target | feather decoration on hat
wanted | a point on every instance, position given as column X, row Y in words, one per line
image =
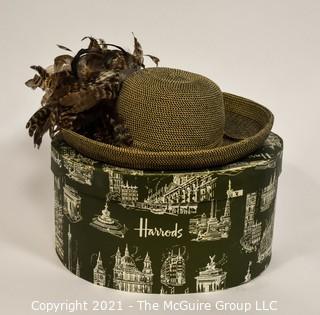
column 80, row 92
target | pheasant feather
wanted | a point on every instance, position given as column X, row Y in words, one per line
column 81, row 92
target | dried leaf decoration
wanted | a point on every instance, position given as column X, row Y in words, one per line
column 80, row 92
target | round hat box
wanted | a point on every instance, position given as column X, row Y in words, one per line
column 165, row 232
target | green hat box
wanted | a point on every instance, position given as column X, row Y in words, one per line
column 165, row 232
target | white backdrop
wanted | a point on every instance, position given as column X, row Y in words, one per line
column 264, row 50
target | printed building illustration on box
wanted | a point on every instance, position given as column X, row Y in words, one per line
column 58, row 207
column 248, row 276
column 72, row 204
column 182, row 195
column 186, row 217
column 127, row 276
column 211, row 228
column 252, row 229
column 120, row 191
column 211, row 277
column 268, row 194
column 173, row 270
column 79, row 168
column 105, row 223
column 266, row 241
column 99, row 272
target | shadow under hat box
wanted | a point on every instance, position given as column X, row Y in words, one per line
column 165, row 231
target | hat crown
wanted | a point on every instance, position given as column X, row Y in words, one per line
column 172, row 110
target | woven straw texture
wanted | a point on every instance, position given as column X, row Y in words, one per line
column 179, row 120
column 172, row 110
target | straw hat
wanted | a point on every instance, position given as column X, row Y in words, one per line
column 179, row 120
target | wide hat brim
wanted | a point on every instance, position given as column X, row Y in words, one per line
column 247, row 126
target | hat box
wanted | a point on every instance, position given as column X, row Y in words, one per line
column 165, row 231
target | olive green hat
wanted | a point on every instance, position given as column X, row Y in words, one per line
column 179, row 120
